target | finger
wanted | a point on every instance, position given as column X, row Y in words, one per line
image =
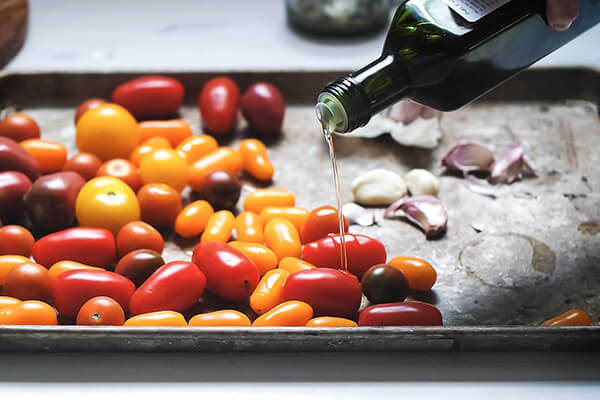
column 561, row 13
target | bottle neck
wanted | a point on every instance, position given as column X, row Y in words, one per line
column 354, row 98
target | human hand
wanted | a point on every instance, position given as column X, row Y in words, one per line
column 561, row 13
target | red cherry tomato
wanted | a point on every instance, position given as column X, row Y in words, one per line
column 218, row 104
column 139, row 235
column 320, row 222
column 13, row 186
column 330, row 292
column 28, row 281
column 72, row 289
column 362, row 251
column 85, row 164
column 175, row 286
column 229, row 273
column 15, row 158
column 408, row 313
column 263, row 107
column 101, row 310
column 86, row 106
column 91, row 246
column 19, row 127
column 150, row 97
column 15, row 240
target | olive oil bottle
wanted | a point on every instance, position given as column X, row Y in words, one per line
column 446, row 53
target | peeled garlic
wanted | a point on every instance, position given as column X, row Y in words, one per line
column 378, row 187
column 420, row 182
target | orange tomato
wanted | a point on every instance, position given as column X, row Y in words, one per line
column 7, row 301
column 249, row 227
column 264, row 259
column 255, row 159
column 31, row 312
column 192, row 220
column 108, row 131
column 164, row 166
column 320, row 222
column 122, row 169
column 220, row 318
column 419, row 273
column 296, row 215
column 570, row 318
column 28, row 281
column 282, row 237
column 85, row 164
column 219, row 227
column 7, row 262
column 64, row 266
column 222, row 159
column 148, row 147
column 196, row 147
column 139, row 235
column 330, row 321
column 100, row 310
column 174, row 130
column 267, row 293
column 160, row 204
column 157, row 318
column 262, row 198
column 289, row 313
column 294, row 264
column 50, row 156
column 16, row 240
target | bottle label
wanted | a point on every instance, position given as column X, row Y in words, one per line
column 474, row 10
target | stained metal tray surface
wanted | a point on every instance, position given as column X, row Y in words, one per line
column 537, row 256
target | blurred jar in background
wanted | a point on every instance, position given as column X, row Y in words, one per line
column 339, row 17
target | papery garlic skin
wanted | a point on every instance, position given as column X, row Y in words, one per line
column 427, row 212
column 357, row 215
column 468, row 157
column 378, row 187
column 421, row 182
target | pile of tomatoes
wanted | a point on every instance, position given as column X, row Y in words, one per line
column 100, row 216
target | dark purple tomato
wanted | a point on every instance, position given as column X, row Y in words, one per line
column 383, row 283
column 138, row 265
column 263, row 107
column 13, row 186
column 408, row 313
column 14, row 158
column 221, row 189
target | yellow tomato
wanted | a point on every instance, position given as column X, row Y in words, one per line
column 164, row 166
column 108, row 131
column 106, row 202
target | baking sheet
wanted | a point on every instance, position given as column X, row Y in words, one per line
column 536, row 257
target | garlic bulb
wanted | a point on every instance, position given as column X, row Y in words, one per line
column 421, row 182
column 378, row 187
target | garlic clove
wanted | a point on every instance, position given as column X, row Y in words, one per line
column 468, row 157
column 357, row 215
column 481, row 186
column 511, row 166
column 421, row 182
column 378, row 187
column 427, row 212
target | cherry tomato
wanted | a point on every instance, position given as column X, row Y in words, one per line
column 19, row 127
column 15, row 239
column 157, row 318
column 28, row 281
column 296, row 215
column 50, row 156
column 193, row 219
column 122, row 169
column 408, row 313
column 263, row 107
column 87, row 105
column 218, row 102
column 138, row 265
column 14, row 158
column 293, row 264
column 100, row 310
column 7, row 262
column 320, row 322
column 262, row 198
column 91, row 246
column 383, row 283
column 219, row 227
column 50, row 202
column 255, row 159
column 321, row 222
column 175, row 286
column 108, row 131
column 85, row 164
column 282, row 237
column 220, row 318
column 139, row 235
column 330, row 292
column 269, row 291
column 249, row 227
column 164, row 166
column 196, row 147
column 362, row 251
column 13, row 186
column 63, row 266
column 289, row 313
column 174, row 130
column 264, row 259
column 160, row 204
column 31, row 312
column 221, row 189
column 107, row 202
column 150, row 96
column 222, row 159
column 148, row 147
column 72, row 289
column 419, row 273
column 569, row 318
column 8, row 301
column 229, row 273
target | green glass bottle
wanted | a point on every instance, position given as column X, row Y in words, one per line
column 437, row 57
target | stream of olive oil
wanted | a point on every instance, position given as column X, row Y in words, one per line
column 338, row 189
